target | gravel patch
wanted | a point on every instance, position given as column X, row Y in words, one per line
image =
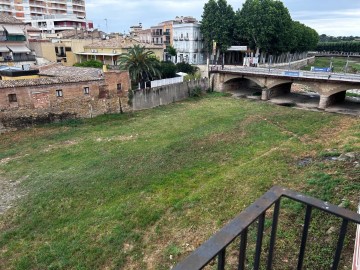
column 9, row 193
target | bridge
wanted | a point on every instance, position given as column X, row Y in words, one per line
column 331, row 87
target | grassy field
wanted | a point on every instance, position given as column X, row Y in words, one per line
column 338, row 63
column 141, row 190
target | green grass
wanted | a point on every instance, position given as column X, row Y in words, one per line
column 338, row 63
column 352, row 94
column 140, row 190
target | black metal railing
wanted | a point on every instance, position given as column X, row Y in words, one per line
column 238, row 227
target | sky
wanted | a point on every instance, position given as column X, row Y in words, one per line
column 331, row 17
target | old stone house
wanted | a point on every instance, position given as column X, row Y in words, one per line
column 62, row 93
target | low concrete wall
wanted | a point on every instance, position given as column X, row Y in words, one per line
column 153, row 97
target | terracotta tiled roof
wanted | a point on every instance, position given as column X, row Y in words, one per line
column 44, row 81
column 58, row 74
column 59, row 70
column 121, row 43
column 8, row 19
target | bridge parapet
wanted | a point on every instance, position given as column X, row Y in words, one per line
column 330, row 86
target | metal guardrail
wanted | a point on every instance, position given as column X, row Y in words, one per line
column 238, row 227
column 301, row 74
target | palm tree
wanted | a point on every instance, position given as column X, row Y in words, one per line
column 142, row 65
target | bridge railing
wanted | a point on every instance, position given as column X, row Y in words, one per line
column 293, row 73
column 217, row 245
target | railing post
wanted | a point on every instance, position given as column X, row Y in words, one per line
column 242, row 253
column 221, row 259
column 260, row 234
column 304, row 237
column 340, row 244
column 273, row 234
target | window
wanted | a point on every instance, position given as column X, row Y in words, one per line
column 119, row 87
column 59, row 93
column 86, row 90
column 12, row 98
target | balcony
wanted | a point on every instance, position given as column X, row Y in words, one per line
column 167, row 33
column 215, row 248
column 156, row 33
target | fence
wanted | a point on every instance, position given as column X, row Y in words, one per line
column 216, row 245
column 162, row 95
column 163, row 82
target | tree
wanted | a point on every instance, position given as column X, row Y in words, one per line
column 141, row 64
column 266, row 24
column 172, row 51
column 217, row 25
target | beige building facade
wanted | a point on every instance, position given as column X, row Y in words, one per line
column 108, row 51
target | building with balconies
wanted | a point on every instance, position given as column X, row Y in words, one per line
column 13, row 42
column 50, row 16
column 188, row 42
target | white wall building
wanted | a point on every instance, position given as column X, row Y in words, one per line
column 188, row 43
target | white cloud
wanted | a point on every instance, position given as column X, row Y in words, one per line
column 121, row 14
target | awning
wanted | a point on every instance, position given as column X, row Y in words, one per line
column 4, row 49
column 238, row 49
column 98, row 54
column 19, row 48
column 14, row 30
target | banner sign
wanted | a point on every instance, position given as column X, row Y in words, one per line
column 214, row 47
column 319, row 69
column 238, row 48
column 292, row 73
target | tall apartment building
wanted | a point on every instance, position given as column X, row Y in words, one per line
column 49, row 15
column 188, row 42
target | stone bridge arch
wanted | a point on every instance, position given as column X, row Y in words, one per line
column 330, row 90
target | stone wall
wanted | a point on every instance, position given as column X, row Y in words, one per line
column 40, row 104
column 153, row 97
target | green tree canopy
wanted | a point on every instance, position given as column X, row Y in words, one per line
column 265, row 24
column 141, row 64
column 171, row 50
column 304, row 38
column 217, row 24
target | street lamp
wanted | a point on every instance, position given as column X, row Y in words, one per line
column 347, row 64
column 331, row 64
column 290, row 58
column 270, row 59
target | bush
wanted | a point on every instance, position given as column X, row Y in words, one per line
column 191, row 77
column 186, row 68
column 91, row 63
column 195, row 92
column 167, row 69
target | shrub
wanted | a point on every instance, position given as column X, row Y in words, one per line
column 195, row 92
column 167, row 69
column 91, row 63
column 186, row 68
